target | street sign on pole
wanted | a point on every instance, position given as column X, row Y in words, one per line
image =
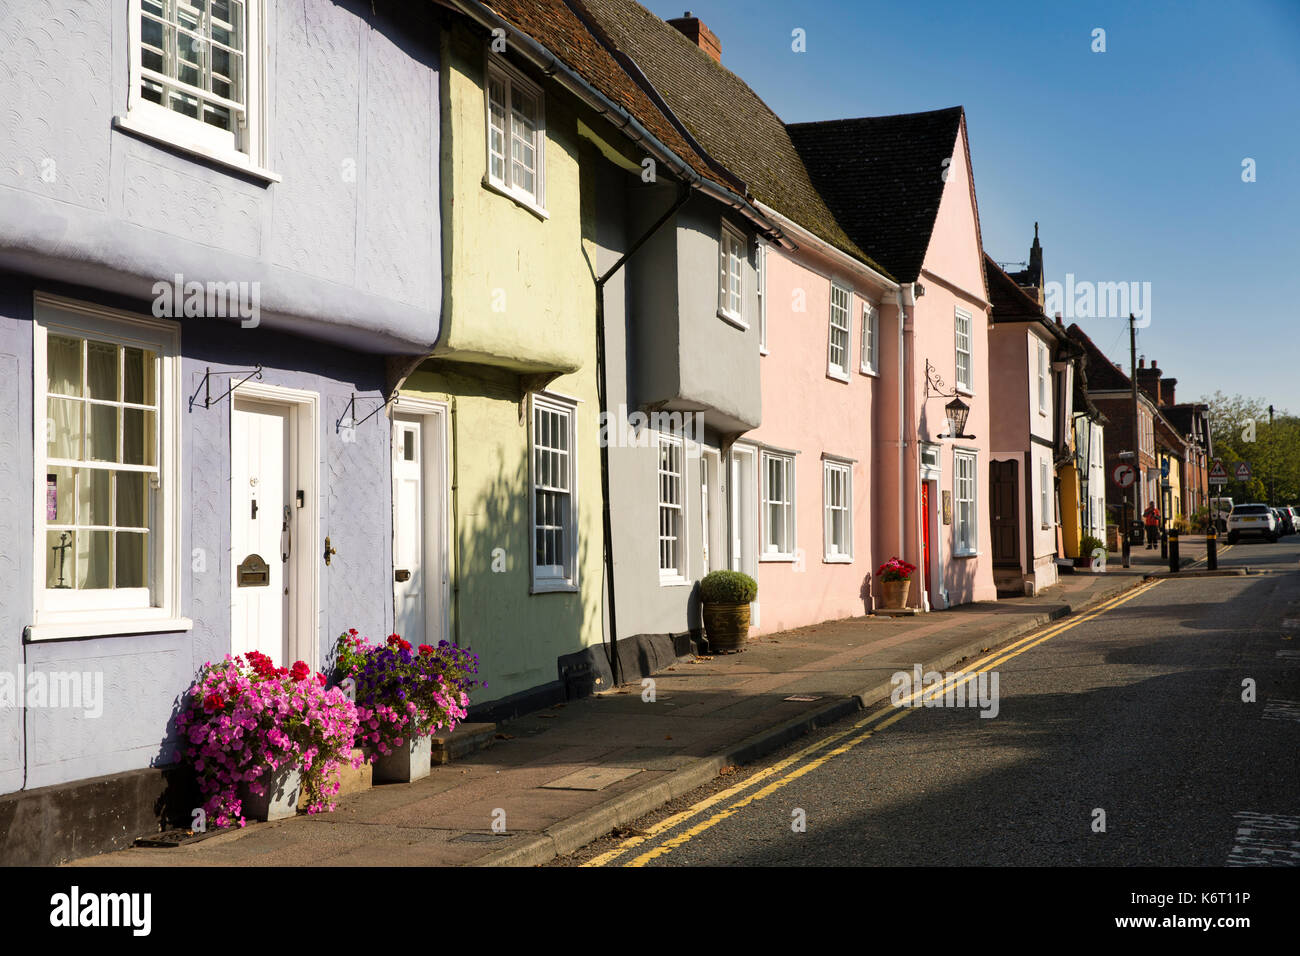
column 1218, row 474
column 1124, row 475
column 1243, row 470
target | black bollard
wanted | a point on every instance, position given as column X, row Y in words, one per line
column 1212, row 549
column 1173, row 549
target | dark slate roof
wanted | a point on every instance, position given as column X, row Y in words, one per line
column 728, row 120
column 1010, row 302
column 559, row 29
column 882, row 176
column 1102, row 374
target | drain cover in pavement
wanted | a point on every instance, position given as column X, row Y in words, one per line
column 592, row 778
column 481, row 838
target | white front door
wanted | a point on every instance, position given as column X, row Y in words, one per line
column 409, row 526
column 744, row 517
column 261, row 522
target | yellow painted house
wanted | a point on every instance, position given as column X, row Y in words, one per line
column 496, row 432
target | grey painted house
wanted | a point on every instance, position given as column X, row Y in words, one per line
column 245, row 197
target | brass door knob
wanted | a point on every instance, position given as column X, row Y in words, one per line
column 328, row 550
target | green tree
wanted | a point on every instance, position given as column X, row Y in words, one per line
column 1241, row 431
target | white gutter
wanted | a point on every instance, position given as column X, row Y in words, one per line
column 551, row 66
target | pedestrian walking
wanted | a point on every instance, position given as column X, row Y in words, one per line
column 1151, row 518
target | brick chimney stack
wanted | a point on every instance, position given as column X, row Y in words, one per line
column 1167, row 386
column 695, row 31
column 1149, row 380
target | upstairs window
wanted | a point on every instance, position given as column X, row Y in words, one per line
column 838, row 364
column 196, row 76
column 731, row 276
column 961, row 323
column 870, row 340
column 516, row 136
column 1043, row 378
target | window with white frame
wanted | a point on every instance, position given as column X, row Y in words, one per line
column 961, row 324
column 838, row 364
column 869, row 359
column 731, row 274
column 516, row 135
column 778, row 506
column 760, row 268
column 964, row 502
column 1043, row 378
column 197, row 59
column 1044, row 495
column 837, row 494
column 554, row 478
column 672, row 509
column 106, row 470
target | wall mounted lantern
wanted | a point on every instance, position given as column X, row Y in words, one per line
column 957, row 410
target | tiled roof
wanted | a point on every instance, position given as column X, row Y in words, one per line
column 729, row 120
column 1008, row 299
column 559, row 29
column 882, row 176
column 1102, row 373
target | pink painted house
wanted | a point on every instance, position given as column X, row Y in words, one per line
column 815, row 452
column 903, row 189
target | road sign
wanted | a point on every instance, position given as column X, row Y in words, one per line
column 1164, row 468
column 1243, row 470
column 1124, row 475
column 1218, row 474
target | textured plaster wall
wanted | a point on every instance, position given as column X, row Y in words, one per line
column 144, row 675
column 351, row 232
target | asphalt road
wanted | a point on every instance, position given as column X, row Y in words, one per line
column 1131, row 719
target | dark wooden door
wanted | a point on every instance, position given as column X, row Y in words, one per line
column 1006, row 522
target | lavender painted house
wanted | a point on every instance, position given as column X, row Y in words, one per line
column 219, row 253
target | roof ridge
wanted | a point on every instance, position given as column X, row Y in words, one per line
column 884, row 116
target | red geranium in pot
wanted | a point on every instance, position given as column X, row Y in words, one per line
column 896, row 580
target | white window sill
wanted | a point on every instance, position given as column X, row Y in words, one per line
column 230, row 159
column 105, row 626
column 520, row 199
column 733, row 319
column 964, row 390
column 869, row 371
column 838, row 374
column 673, row 581
column 553, row 587
column 966, row 554
column 777, row 558
column 837, row 559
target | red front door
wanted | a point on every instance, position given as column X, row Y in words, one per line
column 925, row 536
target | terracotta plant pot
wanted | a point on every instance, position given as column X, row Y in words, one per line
column 727, row 625
column 895, row 593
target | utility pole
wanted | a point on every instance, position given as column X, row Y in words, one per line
column 1137, row 435
column 1270, row 458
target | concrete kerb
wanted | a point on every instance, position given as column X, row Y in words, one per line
column 582, row 828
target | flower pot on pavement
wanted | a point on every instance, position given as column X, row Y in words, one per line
column 895, row 593
column 727, row 625
column 410, row 761
column 283, row 788
column 726, row 596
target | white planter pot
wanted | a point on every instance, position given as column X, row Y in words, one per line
column 409, row 762
column 283, row 788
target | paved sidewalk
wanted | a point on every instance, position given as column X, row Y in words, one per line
column 708, row 713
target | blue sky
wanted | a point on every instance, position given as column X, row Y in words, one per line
column 1130, row 160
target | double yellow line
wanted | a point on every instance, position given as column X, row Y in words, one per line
column 774, row 777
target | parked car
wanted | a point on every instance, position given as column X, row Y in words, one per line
column 1252, row 519
column 1288, row 517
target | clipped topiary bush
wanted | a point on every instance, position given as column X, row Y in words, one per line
column 728, row 587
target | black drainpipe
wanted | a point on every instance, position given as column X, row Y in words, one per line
column 601, row 391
